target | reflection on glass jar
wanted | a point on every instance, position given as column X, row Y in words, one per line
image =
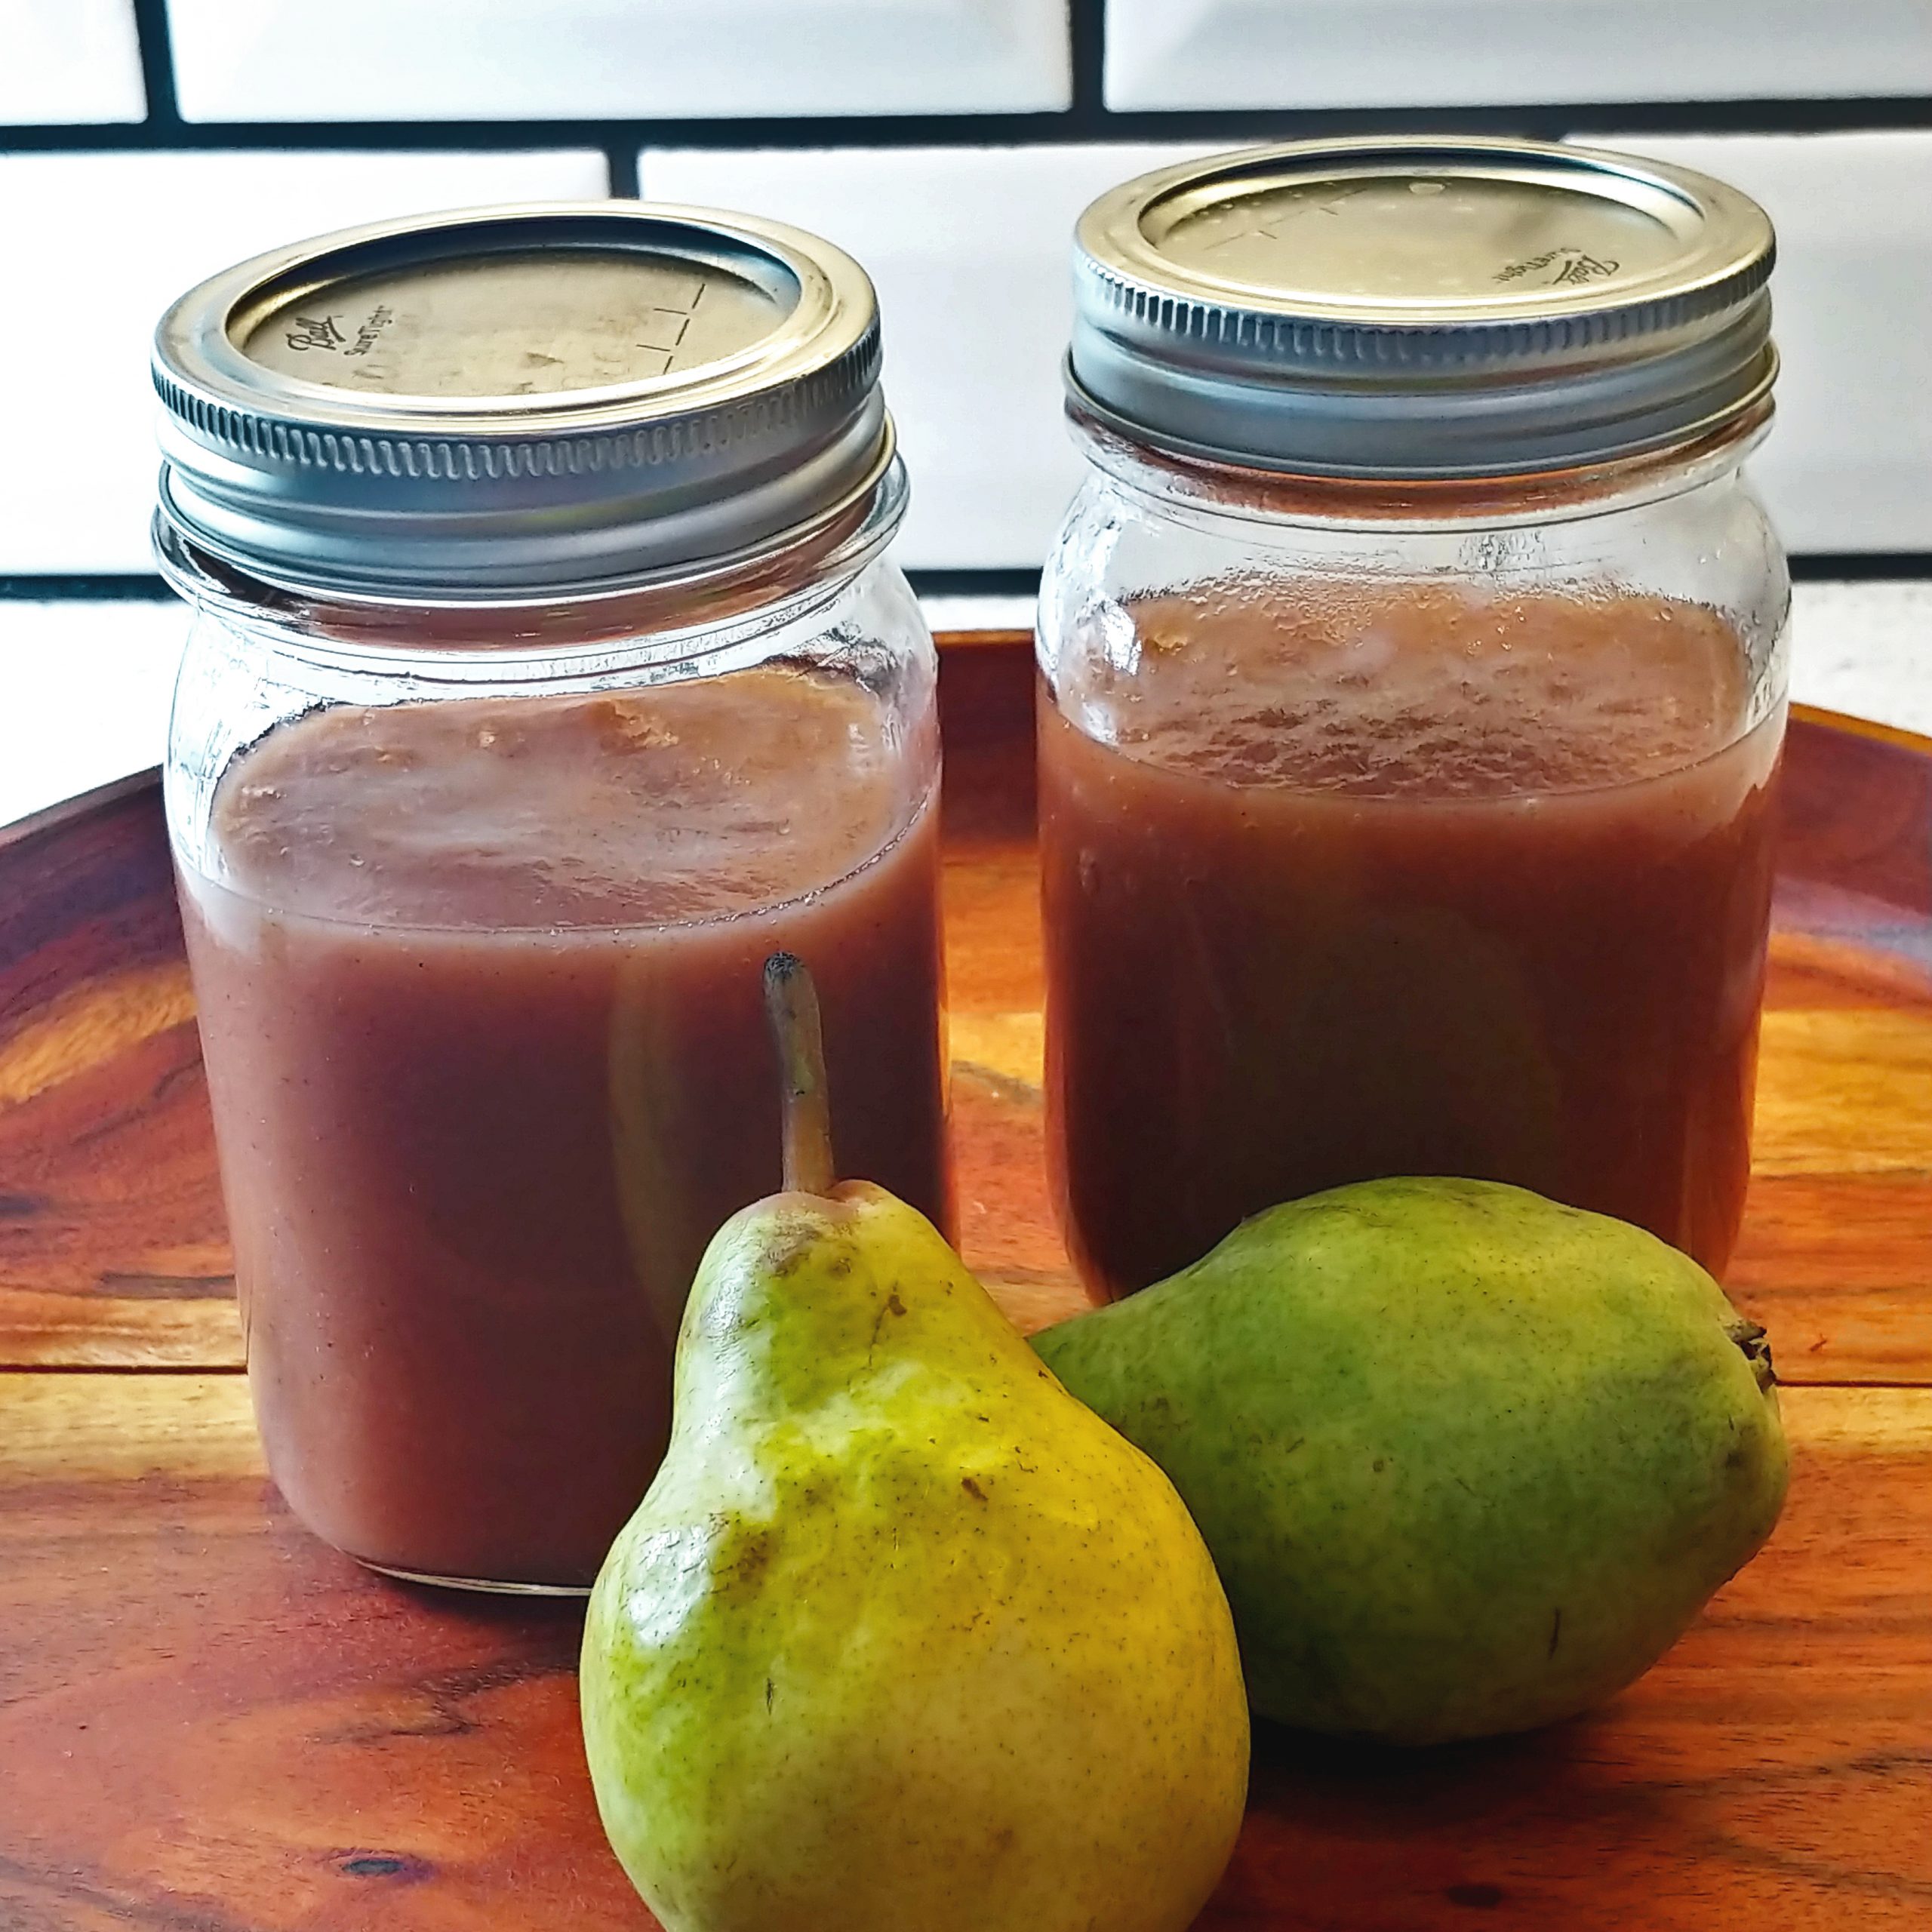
column 491, row 787
column 1414, row 663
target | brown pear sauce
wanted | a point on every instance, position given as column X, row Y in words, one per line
column 1364, row 881
column 480, row 990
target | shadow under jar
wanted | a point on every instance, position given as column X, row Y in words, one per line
column 547, row 675
column 1414, row 686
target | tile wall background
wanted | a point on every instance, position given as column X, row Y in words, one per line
column 947, row 143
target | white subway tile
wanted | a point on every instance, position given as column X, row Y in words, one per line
column 105, row 242
column 67, row 60
column 84, row 689
column 965, row 610
column 1849, row 463
column 1233, row 54
column 473, row 59
column 1865, row 648
column 969, row 248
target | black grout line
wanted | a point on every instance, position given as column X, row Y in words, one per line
column 443, row 136
column 157, row 48
column 1841, row 115
column 1904, row 566
column 29, row 588
column 1860, row 566
column 1087, row 120
column 1087, row 32
column 621, row 157
column 23, row 587
column 974, row 582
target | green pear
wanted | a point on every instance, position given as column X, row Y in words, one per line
column 1469, row 1462
column 902, row 1638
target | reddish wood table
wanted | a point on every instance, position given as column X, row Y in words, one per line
column 209, row 1723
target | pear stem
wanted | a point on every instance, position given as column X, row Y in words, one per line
column 791, row 1004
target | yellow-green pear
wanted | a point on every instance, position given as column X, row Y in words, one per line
column 903, row 1638
column 1468, row 1461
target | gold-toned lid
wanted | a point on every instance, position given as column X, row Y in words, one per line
column 502, row 401
column 1415, row 307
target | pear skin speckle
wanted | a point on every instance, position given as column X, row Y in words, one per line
column 903, row 1636
column 1469, row 1462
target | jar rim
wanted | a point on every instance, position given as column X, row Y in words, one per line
column 1224, row 487
column 672, row 615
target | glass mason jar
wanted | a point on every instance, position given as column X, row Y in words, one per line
column 547, row 675
column 1414, row 669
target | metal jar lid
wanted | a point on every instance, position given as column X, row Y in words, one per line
column 1410, row 307
column 507, row 401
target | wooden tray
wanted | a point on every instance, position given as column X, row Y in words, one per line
column 210, row 1723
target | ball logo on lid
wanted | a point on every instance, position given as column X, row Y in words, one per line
column 324, row 332
column 315, row 332
column 1572, row 267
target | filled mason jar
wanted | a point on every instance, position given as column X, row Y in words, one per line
column 547, row 674
column 1414, row 682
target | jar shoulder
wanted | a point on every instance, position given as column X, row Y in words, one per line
column 245, row 676
column 1121, row 549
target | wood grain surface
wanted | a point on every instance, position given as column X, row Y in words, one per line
column 210, row 1723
